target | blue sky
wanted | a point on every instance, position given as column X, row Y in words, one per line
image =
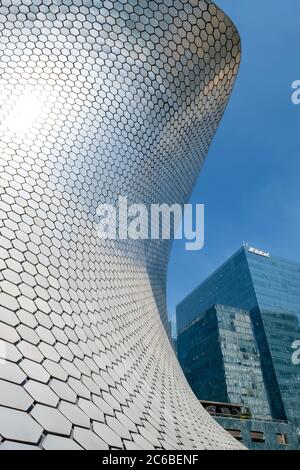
column 250, row 183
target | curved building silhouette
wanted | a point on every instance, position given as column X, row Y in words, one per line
column 100, row 99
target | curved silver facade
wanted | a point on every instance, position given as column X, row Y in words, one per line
column 99, row 99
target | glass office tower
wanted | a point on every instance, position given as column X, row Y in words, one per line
column 275, row 334
column 220, row 358
column 250, row 278
column 268, row 288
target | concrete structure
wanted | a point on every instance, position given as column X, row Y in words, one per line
column 100, row 99
column 254, row 433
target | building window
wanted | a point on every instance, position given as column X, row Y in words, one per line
column 257, row 436
column 236, row 433
column 282, row 439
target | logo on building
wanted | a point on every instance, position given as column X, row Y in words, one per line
column 256, row 251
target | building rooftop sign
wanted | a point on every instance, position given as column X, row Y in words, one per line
column 256, row 251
